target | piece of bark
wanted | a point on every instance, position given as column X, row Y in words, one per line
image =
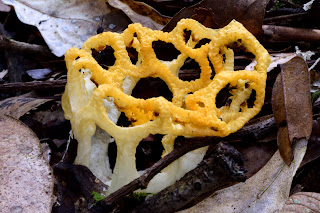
column 222, row 169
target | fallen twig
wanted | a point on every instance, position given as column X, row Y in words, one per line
column 290, row 3
column 281, row 33
column 22, row 47
column 285, row 17
column 28, row 86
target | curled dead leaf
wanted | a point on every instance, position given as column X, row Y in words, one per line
column 142, row 13
column 26, row 181
column 19, row 105
column 291, row 104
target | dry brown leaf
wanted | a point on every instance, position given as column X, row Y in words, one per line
column 256, row 155
column 20, row 105
column 248, row 12
column 26, row 181
column 291, row 103
column 140, row 12
column 302, row 202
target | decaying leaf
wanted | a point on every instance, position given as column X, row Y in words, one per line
column 266, row 191
column 248, row 12
column 291, row 103
column 302, row 202
column 19, row 105
column 63, row 24
column 26, row 181
column 140, row 12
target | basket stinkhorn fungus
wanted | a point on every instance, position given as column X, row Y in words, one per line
column 94, row 97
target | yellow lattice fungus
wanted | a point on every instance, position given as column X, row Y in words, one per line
column 94, row 96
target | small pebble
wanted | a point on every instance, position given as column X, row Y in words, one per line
column 111, row 26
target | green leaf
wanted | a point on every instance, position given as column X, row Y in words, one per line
column 315, row 96
column 97, row 196
column 141, row 195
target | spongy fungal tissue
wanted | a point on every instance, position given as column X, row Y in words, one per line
column 94, row 97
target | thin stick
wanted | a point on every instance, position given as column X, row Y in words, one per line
column 281, row 33
column 28, row 86
column 21, row 47
column 284, row 17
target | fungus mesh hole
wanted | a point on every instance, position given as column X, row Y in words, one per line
column 242, row 57
column 112, row 155
column 223, row 97
column 202, row 42
column 151, row 87
column 105, row 58
column 251, row 99
column 123, row 120
column 165, row 51
column 186, row 35
column 133, row 54
column 190, row 70
column 148, row 151
column 213, row 73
